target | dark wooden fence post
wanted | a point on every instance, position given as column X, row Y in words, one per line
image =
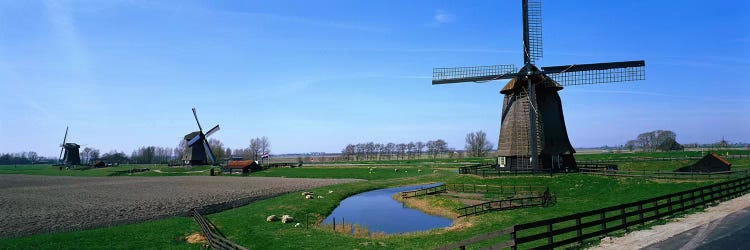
column 513, row 238
column 669, row 204
column 579, row 230
column 640, row 214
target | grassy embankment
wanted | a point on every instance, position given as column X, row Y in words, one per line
column 246, row 225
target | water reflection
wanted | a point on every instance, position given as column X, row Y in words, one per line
column 378, row 212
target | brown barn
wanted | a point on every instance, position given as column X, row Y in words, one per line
column 245, row 167
column 709, row 163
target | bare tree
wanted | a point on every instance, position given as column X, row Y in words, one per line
column 217, row 147
column 94, row 155
column 477, row 144
column 411, row 148
column 86, row 155
column 259, row 146
column 181, row 149
column 33, row 157
column 420, row 147
column 390, row 149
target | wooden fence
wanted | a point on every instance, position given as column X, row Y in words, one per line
column 500, row 189
column 576, row 228
column 215, row 240
column 647, row 159
column 531, row 196
column 424, row 191
column 667, row 174
column 506, row 204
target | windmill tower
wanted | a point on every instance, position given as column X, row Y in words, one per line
column 69, row 154
column 533, row 136
column 198, row 150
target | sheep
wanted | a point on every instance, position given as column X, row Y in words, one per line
column 395, row 170
column 330, row 191
column 298, row 224
column 320, row 197
column 306, row 193
column 272, row 218
column 309, row 197
column 419, row 170
column 286, row 218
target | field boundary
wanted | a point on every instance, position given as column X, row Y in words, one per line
column 424, row 191
column 215, row 240
column 647, row 159
column 666, row 174
column 576, row 228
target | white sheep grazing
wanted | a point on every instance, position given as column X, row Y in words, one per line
column 297, row 225
column 306, row 193
column 419, row 170
column 330, row 191
column 395, row 170
column 320, row 197
column 272, row 218
column 309, row 197
column 286, row 218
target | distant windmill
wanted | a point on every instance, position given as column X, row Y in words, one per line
column 531, row 98
column 69, row 154
column 198, row 151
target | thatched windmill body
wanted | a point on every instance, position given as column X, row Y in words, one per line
column 198, row 152
column 69, row 152
column 533, row 135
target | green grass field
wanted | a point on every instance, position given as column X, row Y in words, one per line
column 247, row 226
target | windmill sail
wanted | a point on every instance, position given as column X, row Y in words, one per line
column 62, row 146
column 532, row 30
column 594, row 73
column 472, row 74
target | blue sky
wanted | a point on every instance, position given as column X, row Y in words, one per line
column 316, row 75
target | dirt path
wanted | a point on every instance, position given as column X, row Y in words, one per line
column 40, row 204
column 645, row 238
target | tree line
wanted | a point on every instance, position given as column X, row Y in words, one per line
column 398, row 151
column 148, row 154
column 662, row 140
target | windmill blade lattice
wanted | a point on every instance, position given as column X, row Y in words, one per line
column 597, row 73
column 62, row 146
column 534, row 24
column 472, row 74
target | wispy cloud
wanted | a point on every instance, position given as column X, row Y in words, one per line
column 60, row 17
column 443, row 17
column 308, row 21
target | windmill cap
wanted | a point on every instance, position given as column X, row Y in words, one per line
column 191, row 135
column 517, row 84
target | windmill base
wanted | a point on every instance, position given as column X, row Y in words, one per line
column 548, row 163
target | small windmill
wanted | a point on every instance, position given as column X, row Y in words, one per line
column 198, row 150
column 532, row 131
column 69, row 154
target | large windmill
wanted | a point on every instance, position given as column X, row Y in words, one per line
column 198, row 150
column 533, row 136
column 69, row 154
